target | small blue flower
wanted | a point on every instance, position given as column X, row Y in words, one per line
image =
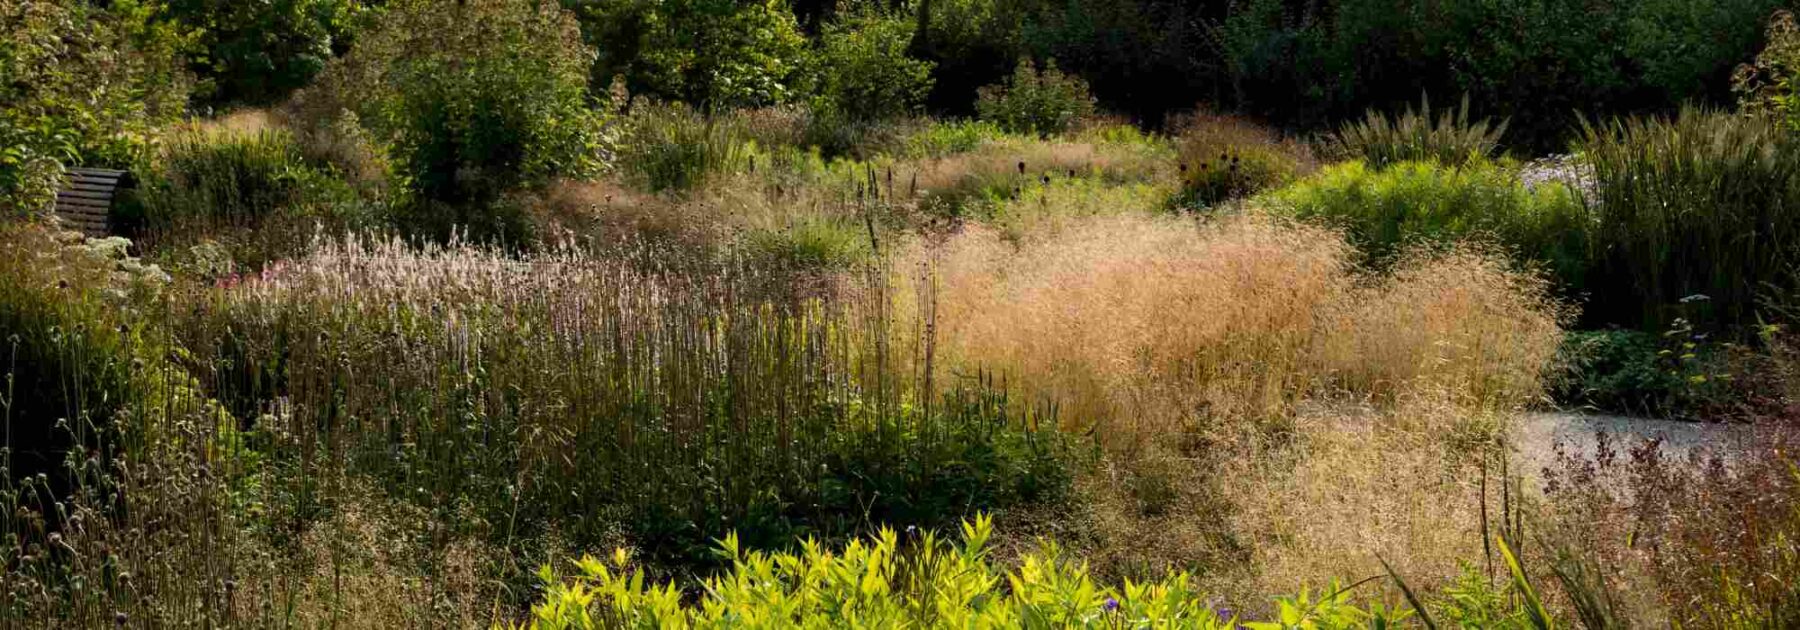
column 1110, row 605
column 1224, row 613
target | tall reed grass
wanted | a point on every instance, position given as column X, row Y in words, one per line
column 593, row 394
column 1700, row 207
column 1450, row 138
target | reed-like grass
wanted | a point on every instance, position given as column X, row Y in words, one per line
column 1450, row 138
column 587, row 394
column 1696, row 212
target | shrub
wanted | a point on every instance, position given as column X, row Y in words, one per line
column 257, row 183
column 918, row 580
column 259, row 52
column 1386, row 211
column 1042, row 103
column 471, row 100
column 82, row 85
column 864, row 71
column 1772, row 84
column 715, row 54
column 1532, row 61
column 943, row 138
column 1225, row 158
column 1450, row 139
column 1701, row 204
column 1640, row 373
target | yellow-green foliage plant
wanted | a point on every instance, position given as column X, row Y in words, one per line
column 916, row 581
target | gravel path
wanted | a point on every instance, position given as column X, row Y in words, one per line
column 1540, row 432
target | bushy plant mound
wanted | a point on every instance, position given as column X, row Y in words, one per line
column 1450, row 139
column 471, row 100
column 254, row 189
column 1629, row 371
column 1701, row 207
column 916, row 581
column 1037, row 102
column 1224, row 158
column 708, row 53
column 1385, row 211
column 865, row 73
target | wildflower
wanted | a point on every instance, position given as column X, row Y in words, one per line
column 1110, row 605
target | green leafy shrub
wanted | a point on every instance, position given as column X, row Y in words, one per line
column 1226, row 158
column 942, row 138
column 718, row 54
column 81, row 85
column 259, row 52
column 671, row 147
column 1386, row 211
column 1701, row 204
column 471, row 100
column 1770, row 85
column 912, row 581
column 1450, row 139
column 864, row 71
column 1042, row 103
column 1531, row 61
column 1634, row 372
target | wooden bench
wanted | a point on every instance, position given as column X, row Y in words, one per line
column 86, row 198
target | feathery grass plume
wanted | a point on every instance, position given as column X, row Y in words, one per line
column 1155, row 326
column 1451, row 138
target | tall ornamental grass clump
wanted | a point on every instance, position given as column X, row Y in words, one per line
column 1153, row 328
column 253, row 186
column 597, row 397
column 1386, row 211
column 1414, row 135
column 672, row 148
column 1700, row 207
